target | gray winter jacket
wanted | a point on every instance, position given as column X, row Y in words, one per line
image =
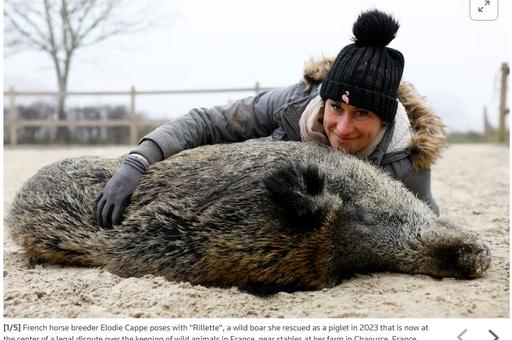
column 276, row 113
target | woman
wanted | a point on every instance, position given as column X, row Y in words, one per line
column 350, row 104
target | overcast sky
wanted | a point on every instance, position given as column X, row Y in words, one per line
column 451, row 59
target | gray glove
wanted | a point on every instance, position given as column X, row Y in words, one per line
column 115, row 196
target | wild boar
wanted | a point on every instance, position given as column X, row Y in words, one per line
column 266, row 217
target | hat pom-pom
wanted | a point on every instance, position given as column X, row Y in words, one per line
column 374, row 28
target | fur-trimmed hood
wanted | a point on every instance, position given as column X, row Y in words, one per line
column 428, row 138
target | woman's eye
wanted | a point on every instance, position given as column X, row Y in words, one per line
column 361, row 114
column 336, row 107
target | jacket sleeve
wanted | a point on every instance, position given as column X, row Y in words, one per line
column 247, row 118
column 418, row 182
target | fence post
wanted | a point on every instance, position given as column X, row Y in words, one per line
column 257, row 87
column 505, row 70
column 133, row 118
column 13, row 117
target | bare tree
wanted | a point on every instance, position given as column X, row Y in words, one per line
column 61, row 27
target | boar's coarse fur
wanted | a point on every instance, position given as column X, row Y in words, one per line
column 266, row 217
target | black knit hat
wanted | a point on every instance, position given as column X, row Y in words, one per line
column 367, row 73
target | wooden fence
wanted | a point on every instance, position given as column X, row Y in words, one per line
column 13, row 123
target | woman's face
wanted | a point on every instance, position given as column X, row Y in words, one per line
column 348, row 127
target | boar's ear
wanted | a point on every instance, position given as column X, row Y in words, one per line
column 299, row 190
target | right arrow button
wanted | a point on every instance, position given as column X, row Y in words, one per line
column 494, row 335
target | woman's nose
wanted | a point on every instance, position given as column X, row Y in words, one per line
column 345, row 125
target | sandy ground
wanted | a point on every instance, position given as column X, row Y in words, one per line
column 471, row 185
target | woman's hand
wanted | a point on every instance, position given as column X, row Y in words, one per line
column 115, row 196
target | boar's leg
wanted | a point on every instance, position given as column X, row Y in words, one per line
column 268, row 289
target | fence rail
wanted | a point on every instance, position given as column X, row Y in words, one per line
column 13, row 123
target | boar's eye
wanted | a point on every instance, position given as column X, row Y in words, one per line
column 361, row 216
